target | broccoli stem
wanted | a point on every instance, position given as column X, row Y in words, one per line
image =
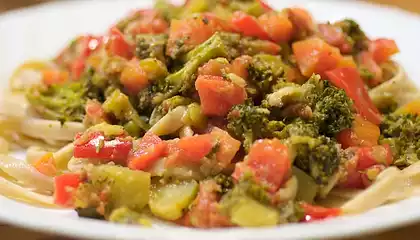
column 183, row 79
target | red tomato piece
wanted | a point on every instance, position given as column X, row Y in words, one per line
column 240, row 65
column 248, row 25
column 362, row 133
column 318, row 213
column 269, row 162
column 382, row 49
column 117, row 45
column 150, row 149
column 217, row 95
column 214, row 68
column 116, row 150
column 64, row 186
column 366, row 61
column 349, row 80
column 196, row 147
column 277, row 26
column 314, row 55
column 227, row 146
column 333, row 35
column 376, row 155
column 95, row 114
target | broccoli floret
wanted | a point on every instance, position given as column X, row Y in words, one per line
column 151, row 46
column 120, row 107
column 317, row 156
column 300, row 128
column 60, row 102
column 355, row 34
column 182, row 81
column 402, row 133
column 333, row 112
column 224, row 181
column 249, row 123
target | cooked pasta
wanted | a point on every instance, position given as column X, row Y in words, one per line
column 234, row 115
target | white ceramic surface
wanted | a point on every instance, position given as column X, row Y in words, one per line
column 41, row 31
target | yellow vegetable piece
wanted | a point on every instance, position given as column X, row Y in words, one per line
column 412, row 107
column 250, row 213
column 169, row 201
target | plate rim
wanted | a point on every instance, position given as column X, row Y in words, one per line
column 82, row 227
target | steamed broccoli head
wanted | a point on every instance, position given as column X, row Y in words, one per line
column 300, row 127
column 248, row 123
column 402, row 133
column 151, row 46
column 333, row 111
column 319, row 156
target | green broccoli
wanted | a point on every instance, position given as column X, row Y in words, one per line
column 317, row 156
column 333, row 111
column 299, row 127
column 224, row 181
column 355, row 34
column 248, row 123
column 151, row 46
column 182, row 81
column 60, row 102
column 402, row 133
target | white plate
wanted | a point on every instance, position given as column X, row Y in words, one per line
column 40, row 32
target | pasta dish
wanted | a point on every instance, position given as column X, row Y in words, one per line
column 211, row 114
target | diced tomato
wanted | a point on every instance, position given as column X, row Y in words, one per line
column 303, row 23
column 46, row 165
column 353, row 178
column 362, row 133
column 50, row 77
column 366, row 61
column 369, row 156
column 269, row 161
column 77, row 68
column 217, row 95
column 193, row 31
column 313, row 213
column 240, row 66
column 196, row 147
column 314, row 55
column 333, row 35
column 227, row 146
column 205, row 210
column 214, row 68
column 277, row 26
column 95, row 114
column 64, row 186
column 349, row 80
column 382, row 49
column 150, row 21
column 117, row 45
column 249, row 26
column 97, row 147
column 133, row 77
column 149, row 149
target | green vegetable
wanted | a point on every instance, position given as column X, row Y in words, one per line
column 402, row 133
column 307, row 188
column 253, row 8
column 127, row 216
column 151, row 46
column 248, row 123
column 119, row 105
column 89, row 212
column 166, row 106
column 168, row 10
column 154, row 68
column 224, row 181
column 182, row 81
column 355, row 34
column 195, row 116
column 169, row 201
column 249, row 213
column 319, row 157
column 132, row 129
column 127, row 188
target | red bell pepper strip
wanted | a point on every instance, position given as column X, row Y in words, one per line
column 349, row 80
column 313, row 213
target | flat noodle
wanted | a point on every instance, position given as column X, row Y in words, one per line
column 34, row 153
column 51, row 130
column 13, row 105
column 171, row 122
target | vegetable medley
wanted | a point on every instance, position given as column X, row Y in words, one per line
column 222, row 113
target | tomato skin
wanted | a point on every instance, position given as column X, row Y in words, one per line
column 376, row 155
column 313, row 213
column 248, row 25
column 115, row 150
column 214, row 68
column 269, row 162
column 365, row 60
column 314, row 55
column 149, row 149
column 349, row 80
column 64, row 186
column 382, row 49
column 196, row 147
column 218, row 95
column 240, row 66
column 117, row 45
column 362, row 133
column 95, row 114
column 277, row 26
column 46, row 165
